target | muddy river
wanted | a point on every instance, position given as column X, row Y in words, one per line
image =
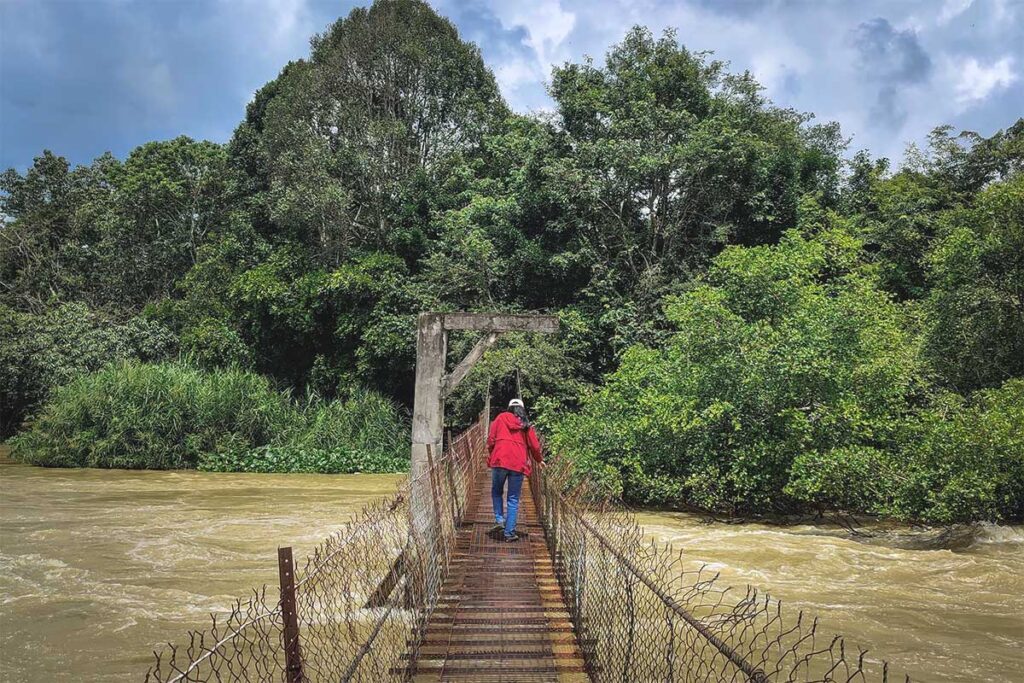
column 97, row 568
column 938, row 614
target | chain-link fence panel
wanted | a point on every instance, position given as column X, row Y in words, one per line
column 642, row 614
column 356, row 609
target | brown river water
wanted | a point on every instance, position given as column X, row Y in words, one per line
column 98, row 567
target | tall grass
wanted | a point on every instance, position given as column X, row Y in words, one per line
column 172, row 416
column 365, row 433
column 367, row 421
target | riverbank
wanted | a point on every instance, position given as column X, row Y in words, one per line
column 170, row 416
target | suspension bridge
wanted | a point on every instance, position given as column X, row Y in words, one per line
column 417, row 588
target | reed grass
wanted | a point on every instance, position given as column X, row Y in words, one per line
column 173, row 416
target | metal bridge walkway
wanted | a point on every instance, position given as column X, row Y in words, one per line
column 501, row 614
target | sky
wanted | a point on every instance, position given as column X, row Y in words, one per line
column 82, row 77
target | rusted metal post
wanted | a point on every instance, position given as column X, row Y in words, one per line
column 379, row 598
column 435, row 492
column 452, row 488
column 292, row 651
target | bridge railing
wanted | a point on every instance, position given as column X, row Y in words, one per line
column 356, row 608
column 643, row 612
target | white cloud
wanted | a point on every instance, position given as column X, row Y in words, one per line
column 1002, row 11
column 515, row 73
column 547, row 26
column 773, row 64
column 975, row 81
column 543, row 28
column 192, row 68
column 273, row 33
column 278, row 27
column 286, row 21
column 952, row 9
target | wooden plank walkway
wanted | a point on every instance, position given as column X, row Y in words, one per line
column 501, row 616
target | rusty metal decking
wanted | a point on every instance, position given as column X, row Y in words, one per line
column 501, row 615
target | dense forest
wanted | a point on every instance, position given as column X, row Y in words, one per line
column 755, row 320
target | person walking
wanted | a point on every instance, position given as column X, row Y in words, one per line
column 511, row 443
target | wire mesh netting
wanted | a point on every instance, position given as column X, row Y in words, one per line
column 360, row 599
column 641, row 613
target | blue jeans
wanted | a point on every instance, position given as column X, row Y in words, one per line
column 515, row 485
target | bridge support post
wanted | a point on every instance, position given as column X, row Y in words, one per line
column 433, row 386
column 427, row 413
column 292, row 651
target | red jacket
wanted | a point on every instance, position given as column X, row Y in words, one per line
column 508, row 444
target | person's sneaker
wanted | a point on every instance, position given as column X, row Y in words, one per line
column 496, row 528
column 513, row 538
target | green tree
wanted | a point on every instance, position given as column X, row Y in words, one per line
column 41, row 243
column 388, row 94
column 961, row 460
column 902, row 214
column 665, row 158
column 976, row 303
column 39, row 352
column 781, row 353
column 114, row 235
column 669, row 156
column 170, row 198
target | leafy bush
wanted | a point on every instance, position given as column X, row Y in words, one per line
column 976, row 307
column 213, row 344
column 41, row 352
column 365, row 422
column 365, row 433
column 293, row 458
column 847, row 478
column 793, row 382
column 964, row 461
column 783, row 354
column 133, row 415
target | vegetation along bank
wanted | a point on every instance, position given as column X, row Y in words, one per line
column 754, row 317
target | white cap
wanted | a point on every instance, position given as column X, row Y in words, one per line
column 516, row 402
